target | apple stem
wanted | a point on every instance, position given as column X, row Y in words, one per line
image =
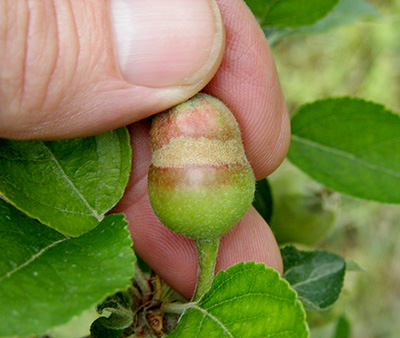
column 207, row 251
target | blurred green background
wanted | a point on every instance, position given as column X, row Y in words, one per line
column 360, row 60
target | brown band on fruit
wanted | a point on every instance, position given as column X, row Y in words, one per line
column 207, row 177
column 184, row 151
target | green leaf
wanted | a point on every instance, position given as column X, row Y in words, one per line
column 46, row 278
column 346, row 12
column 317, row 276
column 247, row 300
column 349, row 145
column 120, row 318
column 354, row 266
column 343, row 329
column 263, row 199
column 106, row 327
column 68, row 185
column 290, row 13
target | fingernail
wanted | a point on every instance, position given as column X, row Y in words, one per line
column 162, row 43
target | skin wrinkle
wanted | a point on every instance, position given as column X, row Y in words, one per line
column 96, row 78
column 57, row 72
column 36, row 77
column 55, row 64
column 97, row 55
column 66, row 73
column 25, row 52
column 40, row 67
column 4, row 37
column 89, row 48
column 16, row 96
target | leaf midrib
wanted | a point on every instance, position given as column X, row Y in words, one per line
column 349, row 156
column 72, row 185
column 314, row 279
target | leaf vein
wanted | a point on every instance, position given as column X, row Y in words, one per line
column 248, row 295
column 200, row 324
column 214, row 319
column 313, row 279
column 32, row 259
column 16, row 159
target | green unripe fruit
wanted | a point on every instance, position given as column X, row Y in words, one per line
column 304, row 211
column 200, row 182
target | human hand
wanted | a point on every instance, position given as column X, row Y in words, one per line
column 61, row 77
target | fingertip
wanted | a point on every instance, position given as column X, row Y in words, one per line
column 250, row 240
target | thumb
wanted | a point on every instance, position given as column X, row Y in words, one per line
column 78, row 68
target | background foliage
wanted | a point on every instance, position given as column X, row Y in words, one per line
column 360, row 60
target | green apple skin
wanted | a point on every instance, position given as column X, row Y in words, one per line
column 304, row 211
column 200, row 182
column 201, row 211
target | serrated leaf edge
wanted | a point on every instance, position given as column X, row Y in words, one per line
column 246, row 266
column 127, row 239
column 344, row 99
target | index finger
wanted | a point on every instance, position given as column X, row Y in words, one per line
column 247, row 82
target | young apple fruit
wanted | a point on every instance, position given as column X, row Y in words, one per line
column 200, row 181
